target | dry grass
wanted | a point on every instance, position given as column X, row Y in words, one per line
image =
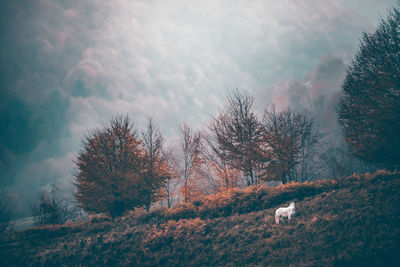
column 338, row 222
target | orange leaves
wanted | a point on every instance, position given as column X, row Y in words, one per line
column 191, row 191
column 115, row 171
column 176, row 230
column 228, row 175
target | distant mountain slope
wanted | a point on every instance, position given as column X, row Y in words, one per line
column 351, row 221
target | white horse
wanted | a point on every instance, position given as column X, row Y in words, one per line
column 285, row 212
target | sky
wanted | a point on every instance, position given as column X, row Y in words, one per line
column 68, row 66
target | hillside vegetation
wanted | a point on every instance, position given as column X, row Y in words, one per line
column 354, row 220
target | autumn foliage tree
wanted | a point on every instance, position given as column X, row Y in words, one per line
column 116, row 172
column 190, row 143
column 237, row 131
column 369, row 108
column 218, row 173
column 289, row 137
column 158, row 170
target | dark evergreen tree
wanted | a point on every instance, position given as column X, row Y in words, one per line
column 369, row 108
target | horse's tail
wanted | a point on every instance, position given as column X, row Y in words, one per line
column 276, row 218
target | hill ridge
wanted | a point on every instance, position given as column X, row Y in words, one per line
column 337, row 222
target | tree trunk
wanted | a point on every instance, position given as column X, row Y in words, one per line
column 284, row 178
column 148, row 202
column 252, row 176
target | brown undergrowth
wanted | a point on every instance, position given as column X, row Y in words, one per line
column 351, row 221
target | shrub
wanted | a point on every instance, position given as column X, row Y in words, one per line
column 48, row 210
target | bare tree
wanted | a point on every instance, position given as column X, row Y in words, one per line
column 190, row 142
column 170, row 185
column 310, row 143
column 339, row 162
column 238, row 134
column 153, row 142
column 216, row 171
column 291, row 138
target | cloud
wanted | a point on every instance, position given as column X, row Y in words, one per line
column 68, row 66
column 36, row 176
column 316, row 94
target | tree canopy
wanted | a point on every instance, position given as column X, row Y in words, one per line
column 369, row 108
column 116, row 172
column 290, row 139
column 237, row 131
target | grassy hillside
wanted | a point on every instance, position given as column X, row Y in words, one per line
column 351, row 221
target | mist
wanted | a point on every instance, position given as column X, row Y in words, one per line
column 67, row 66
